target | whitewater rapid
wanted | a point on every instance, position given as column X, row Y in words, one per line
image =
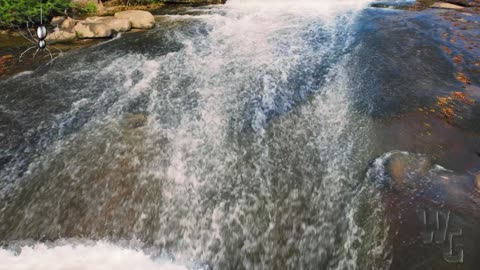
column 225, row 137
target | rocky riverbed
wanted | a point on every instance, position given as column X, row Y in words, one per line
column 255, row 135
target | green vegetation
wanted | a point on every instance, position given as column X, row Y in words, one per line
column 90, row 8
column 14, row 13
column 19, row 12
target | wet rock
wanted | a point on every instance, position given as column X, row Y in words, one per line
column 86, row 29
column 115, row 24
column 391, row 5
column 139, row 19
column 415, row 177
column 399, row 170
column 444, row 5
column 134, row 121
column 61, row 36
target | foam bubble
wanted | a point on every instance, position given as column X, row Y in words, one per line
column 100, row 255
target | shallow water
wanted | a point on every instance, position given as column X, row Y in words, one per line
column 229, row 137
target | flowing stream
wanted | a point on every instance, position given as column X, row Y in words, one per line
column 225, row 138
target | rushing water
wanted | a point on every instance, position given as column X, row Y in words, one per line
column 227, row 139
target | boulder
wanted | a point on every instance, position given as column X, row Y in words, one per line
column 68, row 24
column 86, row 29
column 465, row 3
column 57, row 21
column 115, row 24
column 140, row 19
column 444, row 5
column 61, row 36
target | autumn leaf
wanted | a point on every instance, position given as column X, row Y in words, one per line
column 448, row 113
column 462, row 78
column 447, row 50
column 442, row 101
column 3, row 62
column 459, row 95
column 458, row 59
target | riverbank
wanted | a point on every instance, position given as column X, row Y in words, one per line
column 14, row 42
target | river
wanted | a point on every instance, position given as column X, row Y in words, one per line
column 240, row 136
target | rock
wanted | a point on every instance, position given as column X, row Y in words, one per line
column 465, row 3
column 101, row 27
column 400, row 170
column 115, row 24
column 391, row 5
column 477, row 181
column 61, row 36
column 134, row 121
column 444, row 5
column 139, row 19
column 86, row 29
column 57, row 21
column 3, row 62
column 68, row 24
column 404, row 169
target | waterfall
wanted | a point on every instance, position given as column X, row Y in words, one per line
column 225, row 138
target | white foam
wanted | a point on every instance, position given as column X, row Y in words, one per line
column 312, row 7
column 100, row 255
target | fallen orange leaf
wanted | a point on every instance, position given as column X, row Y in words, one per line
column 447, row 50
column 458, row 59
column 462, row 78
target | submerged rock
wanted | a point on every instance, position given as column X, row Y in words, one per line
column 391, row 5
column 399, row 170
column 139, row 19
column 415, row 177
